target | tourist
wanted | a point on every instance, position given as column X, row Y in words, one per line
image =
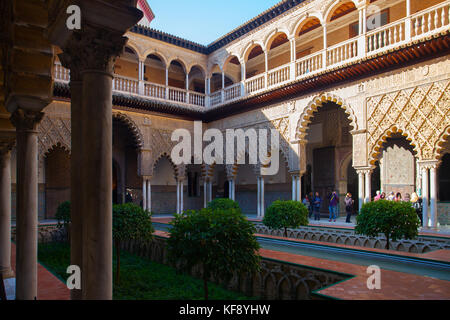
column 407, row 197
column 416, row 203
column 334, row 201
column 349, row 206
column 317, row 202
column 128, row 196
column 311, row 204
column 383, row 196
column 398, row 197
column 377, row 196
column 391, row 196
column 307, row 204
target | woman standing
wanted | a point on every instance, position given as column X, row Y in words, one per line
column 349, row 206
column 417, row 205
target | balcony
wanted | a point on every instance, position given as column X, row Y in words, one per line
column 419, row 26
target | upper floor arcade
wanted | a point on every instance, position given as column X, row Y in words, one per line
column 307, row 40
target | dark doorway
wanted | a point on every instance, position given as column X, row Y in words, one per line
column 444, row 178
column 352, row 184
column 324, row 174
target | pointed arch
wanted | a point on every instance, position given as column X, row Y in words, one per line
column 131, row 125
column 375, row 152
column 440, row 144
column 314, row 105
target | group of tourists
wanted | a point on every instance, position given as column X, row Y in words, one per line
column 313, row 204
column 414, row 199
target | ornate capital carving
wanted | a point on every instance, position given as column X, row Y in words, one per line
column 92, row 49
column 432, row 164
column 26, row 120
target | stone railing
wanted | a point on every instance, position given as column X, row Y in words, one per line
column 348, row 237
column 422, row 25
column 276, row 279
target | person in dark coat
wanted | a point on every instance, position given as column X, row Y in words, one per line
column 317, row 202
column 349, row 206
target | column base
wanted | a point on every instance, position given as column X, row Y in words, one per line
column 8, row 273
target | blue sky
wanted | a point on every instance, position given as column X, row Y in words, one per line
column 204, row 21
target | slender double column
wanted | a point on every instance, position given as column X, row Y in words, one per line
column 260, row 197
column 360, row 188
column 180, row 196
column 26, row 122
column 231, row 188
column 296, row 187
column 146, row 194
column 429, row 193
column 5, row 214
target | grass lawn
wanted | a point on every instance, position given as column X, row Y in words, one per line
column 140, row 278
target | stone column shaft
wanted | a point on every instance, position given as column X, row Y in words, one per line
column 144, row 194
column 5, row 215
column 76, row 174
column 27, row 203
column 368, row 191
column 425, row 196
column 97, row 185
column 360, row 189
column 149, row 195
column 433, row 197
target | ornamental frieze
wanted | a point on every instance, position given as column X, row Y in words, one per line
column 421, row 114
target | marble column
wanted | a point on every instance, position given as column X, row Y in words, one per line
column 258, row 197
column 433, row 197
column 144, row 193
column 205, row 193
column 149, row 195
column 368, row 189
column 294, row 186
column 178, row 197
column 5, row 214
column 97, row 76
column 76, row 171
column 425, row 196
column 181, row 196
column 210, row 197
column 26, row 123
column 360, row 188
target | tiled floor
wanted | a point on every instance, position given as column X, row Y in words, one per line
column 49, row 286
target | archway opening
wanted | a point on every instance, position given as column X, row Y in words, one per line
column 125, row 164
column 155, row 70
column 232, row 69
column 397, row 166
column 255, row 62
column 197, row 80
column 279, row 51
column 329, row 144
column 177, row 75
column 164, row 187
column 127, row 65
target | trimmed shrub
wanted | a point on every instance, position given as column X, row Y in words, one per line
column 286, row 214
column 130, row 222
column 223, row 204
column 395, row 220
column 220, row 242
column 63, row 215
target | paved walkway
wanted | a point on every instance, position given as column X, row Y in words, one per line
column 394, row 285
column 49, row 286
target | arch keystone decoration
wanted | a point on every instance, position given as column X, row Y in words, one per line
column 314, row 105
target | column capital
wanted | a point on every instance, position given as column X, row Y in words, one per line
column 364, row 170
column 429, row 164
column 26, row 120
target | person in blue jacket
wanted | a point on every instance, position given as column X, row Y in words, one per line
column 317, row 202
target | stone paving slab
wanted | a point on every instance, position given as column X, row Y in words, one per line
column 49, row 286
